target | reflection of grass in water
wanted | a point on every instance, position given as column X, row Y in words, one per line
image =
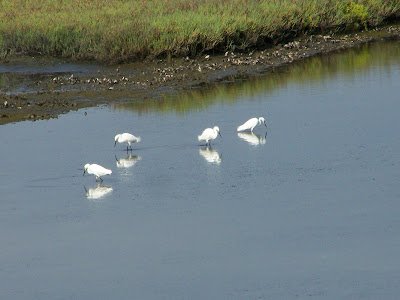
column 349, row 63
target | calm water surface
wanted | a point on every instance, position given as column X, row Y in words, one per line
column 310, row 210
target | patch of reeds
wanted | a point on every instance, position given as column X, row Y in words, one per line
column 123, row 30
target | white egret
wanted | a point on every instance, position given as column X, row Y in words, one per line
column 210, row 155
column 96, row 170
column 209, row 134
column 250, row 124
column 126, row 138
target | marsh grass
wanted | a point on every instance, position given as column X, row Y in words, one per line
column 110, row 30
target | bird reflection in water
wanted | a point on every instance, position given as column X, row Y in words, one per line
column 98, row 192
column 253, row 138
column 210, row 155
column 127, row 162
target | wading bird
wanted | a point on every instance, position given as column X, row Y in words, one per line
column 209, row 134
column 250, row 124
column 126, row 138
column 96, row 170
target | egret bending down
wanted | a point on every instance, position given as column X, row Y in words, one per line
column 250, row 124
column 209, row 134
column 126, row 138
column 96, row 170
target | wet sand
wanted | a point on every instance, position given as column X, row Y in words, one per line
column 58, row 93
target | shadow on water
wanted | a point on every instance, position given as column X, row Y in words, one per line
column 252, row 138
column 349, row 63
column 127, row 162
column 210, row 155
column 98, row 192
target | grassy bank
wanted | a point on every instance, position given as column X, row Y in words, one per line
column 110, row 30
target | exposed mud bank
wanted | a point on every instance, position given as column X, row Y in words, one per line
column 55, row 94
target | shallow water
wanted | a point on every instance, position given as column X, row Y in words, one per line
column 308, row 210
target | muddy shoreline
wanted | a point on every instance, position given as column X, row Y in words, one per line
column 55, row 94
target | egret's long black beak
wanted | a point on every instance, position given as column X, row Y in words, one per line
column 265, row 125
column 219, row 134
column 84, row 171
column 115, row 143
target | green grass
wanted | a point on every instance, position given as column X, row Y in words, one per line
column 111, row 30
